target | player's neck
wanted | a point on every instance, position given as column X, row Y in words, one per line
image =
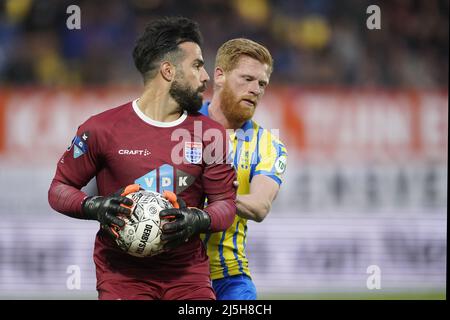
column 157, row 104
column 216, row 113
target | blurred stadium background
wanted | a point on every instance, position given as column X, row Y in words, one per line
column 364, row 115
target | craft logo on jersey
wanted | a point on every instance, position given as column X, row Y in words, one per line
column 79, row 144
column 193, row 152
column 167, row 178
column 135, row 152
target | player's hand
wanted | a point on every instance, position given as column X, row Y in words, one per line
column 105, row 209
column 183, row 223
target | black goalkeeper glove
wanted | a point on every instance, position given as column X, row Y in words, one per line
column 105, row 209
column 183, row 223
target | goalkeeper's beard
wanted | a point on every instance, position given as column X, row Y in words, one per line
column 230, row 105
column 187, row 98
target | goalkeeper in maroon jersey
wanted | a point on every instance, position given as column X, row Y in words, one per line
column 153, row 141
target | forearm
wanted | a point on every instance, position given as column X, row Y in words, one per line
column 251, row 207
column 222, row 213
column 66, row 199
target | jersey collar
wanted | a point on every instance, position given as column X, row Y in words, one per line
column 246, row 132
column 204, row 110
column 155, row 123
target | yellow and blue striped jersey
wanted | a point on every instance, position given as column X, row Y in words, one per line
column 256, row 151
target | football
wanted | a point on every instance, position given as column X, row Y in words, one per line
column 140, row 237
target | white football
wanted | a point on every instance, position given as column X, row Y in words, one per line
column 141, row 235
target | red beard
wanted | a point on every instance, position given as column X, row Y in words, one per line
column 232, row 108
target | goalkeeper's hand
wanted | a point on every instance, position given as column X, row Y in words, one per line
column 105, row 209
column 183, row 222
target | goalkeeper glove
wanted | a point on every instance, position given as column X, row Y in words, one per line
column 105, row 209
column 183, row 222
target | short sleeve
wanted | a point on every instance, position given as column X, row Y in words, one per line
column 271, row 157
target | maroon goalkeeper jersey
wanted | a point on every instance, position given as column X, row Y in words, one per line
column 122, row 146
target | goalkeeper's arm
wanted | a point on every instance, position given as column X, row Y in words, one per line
column 74, row 203
column 184, row 222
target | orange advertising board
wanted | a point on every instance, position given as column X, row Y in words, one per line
column 316, row 124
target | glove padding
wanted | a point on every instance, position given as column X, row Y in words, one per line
column 183, row 223
column 105, row 209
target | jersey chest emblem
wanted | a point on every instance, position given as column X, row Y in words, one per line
column 245, row 160
column 193, row 152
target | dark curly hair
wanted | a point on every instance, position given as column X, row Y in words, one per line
column 160, row 40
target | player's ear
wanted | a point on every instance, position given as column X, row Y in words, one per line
column 167, row 71
column 219, row 77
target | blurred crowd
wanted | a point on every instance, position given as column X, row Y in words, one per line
column 313, row 42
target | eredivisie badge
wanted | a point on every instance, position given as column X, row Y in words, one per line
column 193, row 152
column 80, row 146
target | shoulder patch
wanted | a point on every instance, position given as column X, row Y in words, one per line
column 80, row 145
column 280, row 164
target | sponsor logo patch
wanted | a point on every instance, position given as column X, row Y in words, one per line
column 280, row 164
column 167, row 178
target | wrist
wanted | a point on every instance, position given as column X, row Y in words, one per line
column 89, row 207
column 204, row 220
